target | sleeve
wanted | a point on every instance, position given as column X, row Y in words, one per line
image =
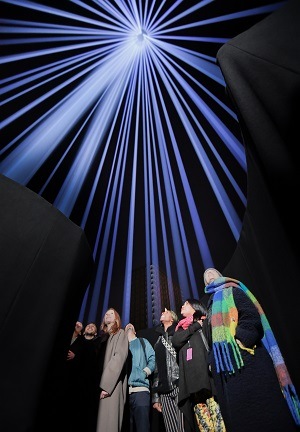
column 155, row 395
column 181, row 336
column 114, row 367
column 249, row 329
column 150, row 354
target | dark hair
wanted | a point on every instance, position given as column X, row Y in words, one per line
column 198, row 306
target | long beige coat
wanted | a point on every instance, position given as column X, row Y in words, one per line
column 114, row 381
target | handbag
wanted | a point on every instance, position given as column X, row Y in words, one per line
column 208, row 415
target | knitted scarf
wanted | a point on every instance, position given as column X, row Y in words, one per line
column 224, row 320
column 185, row 322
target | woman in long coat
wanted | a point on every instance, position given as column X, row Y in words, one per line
column 244, row 360
column 113, row 382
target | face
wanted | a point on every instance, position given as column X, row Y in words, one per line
column 166, row 316
column 130, row 328
column 109, row 317
column 91, row 329
column 210, row 275
column 187, row 310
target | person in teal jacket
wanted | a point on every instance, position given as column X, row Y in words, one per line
column 142, row 366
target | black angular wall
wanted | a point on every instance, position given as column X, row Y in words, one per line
column 45, row 267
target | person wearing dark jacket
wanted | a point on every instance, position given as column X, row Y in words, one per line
column 196, row 385
column 254, row 388
column 91, row 371
column 166, row 375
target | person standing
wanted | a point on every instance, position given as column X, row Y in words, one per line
column 196, row 386
column 113, row 381
column 166, row 375
column 71, row 388
column 254, row 387
column 94, row 346
column 75, row 345
column 142, row 365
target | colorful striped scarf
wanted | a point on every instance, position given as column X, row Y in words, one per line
column 224, row 320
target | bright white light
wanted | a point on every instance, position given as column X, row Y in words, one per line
column 117, row 96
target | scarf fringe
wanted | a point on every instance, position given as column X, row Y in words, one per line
column 292, row 399
column 222, row 297
column 221, row 353
column 223, row 357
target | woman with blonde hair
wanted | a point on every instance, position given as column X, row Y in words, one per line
column 113, row 382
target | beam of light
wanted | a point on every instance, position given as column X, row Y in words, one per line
column 116, row 96
column 35, row 149
column 221, row 129
column 214, row 20
column 129, row 249
column 155, row 23
column 69, row 190
column 233, row 143
column 100, row 251
column 149, row 202
column 170, row 192
column 199, row 232
column 226, row 205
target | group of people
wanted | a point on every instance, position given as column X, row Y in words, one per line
column 216, row 369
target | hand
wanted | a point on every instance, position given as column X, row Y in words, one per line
column 197, row 316
column 104, row 394
column 70, row 355
column 157, row 406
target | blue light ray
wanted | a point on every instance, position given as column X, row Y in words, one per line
column 129, row 254
column 220, row 193
column 154, row 17
column 104, row 247
column 235, row 146
column 181, row 15
column 38, row 73
column 72, row 185
column 117, row 95
column 30, row 27
column 57, row 12
column 204, row 66
column 199, row 232
column 35, row 149
column 123, row 14
column 151, row 252
column 179, row 257
column 232, row 16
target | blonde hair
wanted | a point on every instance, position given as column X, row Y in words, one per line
column 174, row 316
column 213, row 269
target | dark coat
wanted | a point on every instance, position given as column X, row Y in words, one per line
column 194, row 376
column 251, row 398
column 91, row 371
column 166, row 374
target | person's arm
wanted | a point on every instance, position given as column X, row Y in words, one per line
column 181, row 336
column 249, row 330
column 155, row 396
column 150, row 355
column 114, row 367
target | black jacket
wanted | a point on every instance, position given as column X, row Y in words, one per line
column 166, row 374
